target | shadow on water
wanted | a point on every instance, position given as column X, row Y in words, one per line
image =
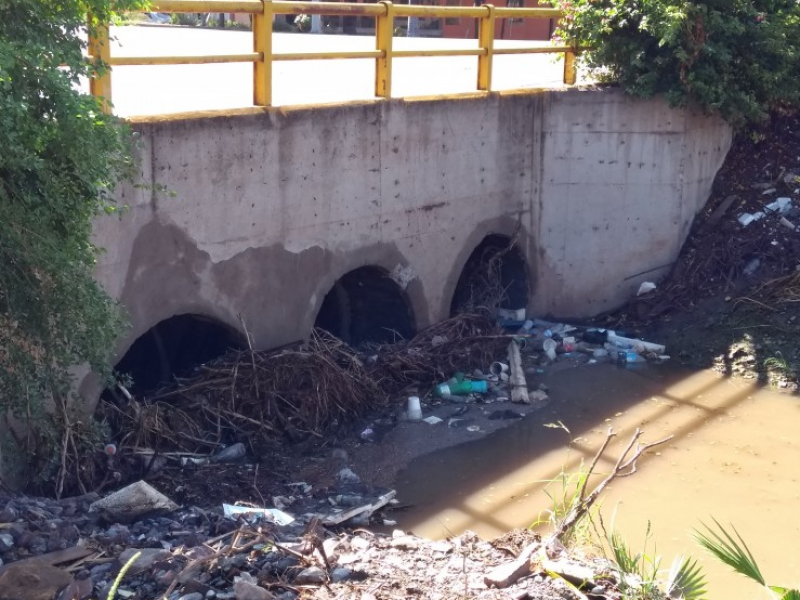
column 584, row 400
column 733, row 451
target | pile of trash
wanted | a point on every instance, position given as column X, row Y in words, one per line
column 137, row 544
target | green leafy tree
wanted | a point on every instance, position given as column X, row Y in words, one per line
column 737, row 58
column 60, row 157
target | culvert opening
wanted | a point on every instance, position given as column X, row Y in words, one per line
column 175, row 347
column 366, row 306
column 495, row 276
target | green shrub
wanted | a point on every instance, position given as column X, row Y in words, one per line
column 737, row 58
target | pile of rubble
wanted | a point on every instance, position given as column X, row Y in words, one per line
column 77, row 548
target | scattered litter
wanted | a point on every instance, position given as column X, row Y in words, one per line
column 516, row 315
column 389, row 523
column 780, row 205
column 270, row 514
column 746, row 218
column 364, row 511
column 788, row 224
column 473, row 429
column 459, row 386
column 646, row 287
column 414, row 409
column 768, row 191
column 432, row 420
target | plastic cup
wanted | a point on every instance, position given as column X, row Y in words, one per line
column 414, row 409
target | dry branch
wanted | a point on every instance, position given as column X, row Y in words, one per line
column 624, row 467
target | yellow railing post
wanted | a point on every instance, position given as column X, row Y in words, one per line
column 262, row 44
column 100, row 49
column 486, row 43
column 384, row 32
column 570, row 67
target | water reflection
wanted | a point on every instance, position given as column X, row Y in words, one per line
column 734, row 457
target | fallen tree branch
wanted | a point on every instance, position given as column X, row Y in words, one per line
column 624, row 467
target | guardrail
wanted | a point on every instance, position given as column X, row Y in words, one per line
column 384, row 12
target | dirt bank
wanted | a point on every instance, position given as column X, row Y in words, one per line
column 731, row 300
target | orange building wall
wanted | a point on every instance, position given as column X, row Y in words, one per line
column 505, row 29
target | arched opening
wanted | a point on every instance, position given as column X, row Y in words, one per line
column 366, row 306
column 495, row 276
column 174, row 347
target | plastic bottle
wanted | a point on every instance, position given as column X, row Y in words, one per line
column 460, row 388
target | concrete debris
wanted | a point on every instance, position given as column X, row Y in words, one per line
column 132, row 502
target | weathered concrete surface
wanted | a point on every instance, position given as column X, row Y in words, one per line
column 270, row 208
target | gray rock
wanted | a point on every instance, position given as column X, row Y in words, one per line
column 132, row 502
column 248, row 591
column 311, row 576
column 340, row 574
column 145, row 562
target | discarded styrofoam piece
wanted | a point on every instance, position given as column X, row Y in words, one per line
column 787, row 223
column 746, row 218
column 511, row 314
column 780, row 205
column 519, row 387
column 646, row 287
column 272, row 514
column 432, row 420
column 133, row 501
column 638, row 345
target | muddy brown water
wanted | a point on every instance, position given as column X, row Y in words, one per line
column 735, row 456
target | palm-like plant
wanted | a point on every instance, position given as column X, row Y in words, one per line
column 735, row 553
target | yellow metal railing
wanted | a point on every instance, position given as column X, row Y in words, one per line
column 384, row 12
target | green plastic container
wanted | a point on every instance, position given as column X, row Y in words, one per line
column 460, row 388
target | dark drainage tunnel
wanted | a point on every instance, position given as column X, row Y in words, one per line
column 366, row 306
column 495, row 276
column 174, row 347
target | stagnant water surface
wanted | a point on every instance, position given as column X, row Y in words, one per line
column 735, row 457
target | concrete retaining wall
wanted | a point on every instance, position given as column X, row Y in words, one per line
column 270, row 208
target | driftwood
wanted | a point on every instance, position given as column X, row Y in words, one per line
column 341, row 517
column 624, row 467
column 519, row 387
column 508, row 573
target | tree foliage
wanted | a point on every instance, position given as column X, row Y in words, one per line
column 737, row 58
column 60, row 157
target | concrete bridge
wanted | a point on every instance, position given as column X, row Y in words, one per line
column 364, row 217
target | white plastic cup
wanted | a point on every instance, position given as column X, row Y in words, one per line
column 414, row 409
column 550, row 348
column 498, row 368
